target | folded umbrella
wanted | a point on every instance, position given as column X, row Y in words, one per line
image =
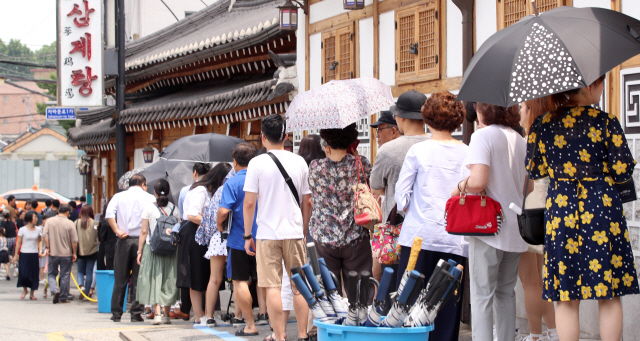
column 338, row 104
column 559, row 50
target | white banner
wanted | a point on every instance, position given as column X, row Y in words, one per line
column 80, row 79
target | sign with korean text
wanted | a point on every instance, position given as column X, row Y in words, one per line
column 80, row 53
column 54, row 113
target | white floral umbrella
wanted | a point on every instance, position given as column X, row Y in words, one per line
column 337, row 104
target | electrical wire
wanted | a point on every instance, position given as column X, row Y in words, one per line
column 167, row 6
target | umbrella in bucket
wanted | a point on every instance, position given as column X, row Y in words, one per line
column 559, row 50
column 337, row 104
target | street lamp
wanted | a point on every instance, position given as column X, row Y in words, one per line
column 353, row 4
column 147, row 154
column 289, row 14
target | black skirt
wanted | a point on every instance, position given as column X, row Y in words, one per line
column 28, row 271
column 4, row 257
column 193, row 269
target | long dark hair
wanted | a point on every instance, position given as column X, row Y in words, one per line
column 86, row 213
column 162, row 189
column 214, row 178
column 310, row 148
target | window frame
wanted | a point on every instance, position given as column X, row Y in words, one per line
column 419, row 75
column 336, row 33
column 500, row 15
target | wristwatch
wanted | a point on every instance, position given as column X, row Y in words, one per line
column 247, row 237
column 139, row 252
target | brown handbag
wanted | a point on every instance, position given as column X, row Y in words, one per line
column 366, row 211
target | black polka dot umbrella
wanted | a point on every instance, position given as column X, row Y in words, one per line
column 556, row 51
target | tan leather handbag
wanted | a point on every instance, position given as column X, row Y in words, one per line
column 365, row 206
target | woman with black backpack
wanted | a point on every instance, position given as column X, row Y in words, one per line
column 158, row 271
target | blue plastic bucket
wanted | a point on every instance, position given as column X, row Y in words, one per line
column 104, row 286
column 335, row 332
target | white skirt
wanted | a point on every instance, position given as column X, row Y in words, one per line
column 217, row 246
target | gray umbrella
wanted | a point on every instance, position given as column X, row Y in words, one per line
column 559, row 50
column 123, row 182
column 202, row 148
column 177, row 173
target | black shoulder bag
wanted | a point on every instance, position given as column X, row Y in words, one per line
column 531, row 221
column 287, row 178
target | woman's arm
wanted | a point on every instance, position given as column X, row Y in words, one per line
column 18, row 245
column 478, row 180
column 144, row 231
column 40, row 247
column 196, row 219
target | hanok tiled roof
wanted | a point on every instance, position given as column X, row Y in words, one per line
column 94, row 134
column 197, row 102
column 212, row 28
column 95, row 115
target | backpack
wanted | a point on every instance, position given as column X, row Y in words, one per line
column 160, row 242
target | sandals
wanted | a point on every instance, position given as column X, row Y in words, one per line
column 241, row 332
column 33, row 298
column 23, row 296
column 272, row 337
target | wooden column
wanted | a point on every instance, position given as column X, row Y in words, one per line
column 613, row 81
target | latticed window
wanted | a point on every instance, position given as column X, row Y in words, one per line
column 511, row 11
column 418, row 43
column 338, row 54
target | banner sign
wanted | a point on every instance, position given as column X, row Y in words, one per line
column 80, row 69
column 61, row 113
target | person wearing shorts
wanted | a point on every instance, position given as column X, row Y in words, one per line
column 282, row 218
column 243, row 265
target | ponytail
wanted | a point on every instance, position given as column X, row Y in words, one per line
column 162, row 188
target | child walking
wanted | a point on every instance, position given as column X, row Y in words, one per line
column 4, row 253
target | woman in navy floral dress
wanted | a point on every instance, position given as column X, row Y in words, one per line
column 588, row 254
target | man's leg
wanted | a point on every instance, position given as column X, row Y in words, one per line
column 269, row 260
column 121, row 277
column 136, row 308
column 244, row 301
column 295, row 254
column 53, row 273
column 65, row 272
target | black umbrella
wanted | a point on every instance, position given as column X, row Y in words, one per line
column 202, row 148
column 177, row 173
column 559, row 50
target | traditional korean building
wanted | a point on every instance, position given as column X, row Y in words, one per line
column 218, row 70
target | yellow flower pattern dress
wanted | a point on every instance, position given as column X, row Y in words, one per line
column 588, row 254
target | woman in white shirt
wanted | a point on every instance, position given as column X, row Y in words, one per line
column 495, row 163
column 29, row 246
column 430, row 169
column 157, row 275
column 194, row 270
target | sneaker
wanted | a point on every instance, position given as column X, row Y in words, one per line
column 56, row 297
column 553, row 337
column 237, row 322
column 8, row 278
column 211, row 323
column 157, row 320
column 262, row 320
column 201, row 323
column 166, row 320
column 542, row 337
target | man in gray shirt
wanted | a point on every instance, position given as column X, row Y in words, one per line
column 390, row 156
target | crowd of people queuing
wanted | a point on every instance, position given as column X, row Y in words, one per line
column 247, row 223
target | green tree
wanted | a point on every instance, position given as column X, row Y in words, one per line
column 15, row 49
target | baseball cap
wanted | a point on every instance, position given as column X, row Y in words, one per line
column 385, row 116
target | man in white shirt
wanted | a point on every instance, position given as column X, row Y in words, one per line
column 282, row 219
column 127, row 206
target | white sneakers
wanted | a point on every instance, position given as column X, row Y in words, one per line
column 202, row 323
column 540, row 337
column 156, row 320
column 165, row 320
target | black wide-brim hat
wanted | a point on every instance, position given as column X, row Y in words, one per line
column 409, row 105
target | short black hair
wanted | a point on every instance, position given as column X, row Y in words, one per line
column 64, row 208
column 73, row 204
column 28, row 217
column 10, row 197
column 56, row 203
column 243, row 153
column 201, row 168
column 83, row 198
column 274, row 128
column 137, row 180
column 47, row 202
column 340, row 138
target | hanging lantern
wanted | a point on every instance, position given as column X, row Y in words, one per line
column 147, row 153
column 353, row 4
column 85, row 167
column 288, row 16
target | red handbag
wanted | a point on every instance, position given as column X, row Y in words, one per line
column 473, row 215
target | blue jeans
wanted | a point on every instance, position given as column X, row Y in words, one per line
column 85, row 268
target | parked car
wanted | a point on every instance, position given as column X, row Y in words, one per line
column 34, row 193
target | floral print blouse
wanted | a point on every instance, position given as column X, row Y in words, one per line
column 332, row 222
column 209, row 224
